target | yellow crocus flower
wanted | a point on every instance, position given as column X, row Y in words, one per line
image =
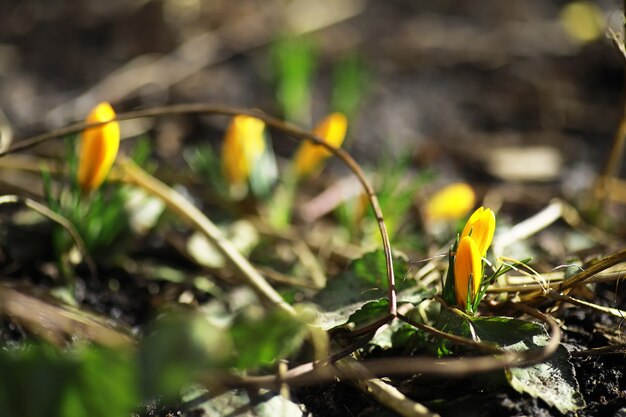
column 451, row 202
column 309, row 156
column 243, row 146
column 481, row 226
column 98, row 148
column 467, row 264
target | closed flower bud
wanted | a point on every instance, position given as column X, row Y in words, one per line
column 243, row 145
column 450, row 203
column 309, row 156
column 467, row 264
column 98, row 148
column 481, row 226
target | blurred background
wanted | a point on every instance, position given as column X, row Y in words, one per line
column 518, row 99
column 457, row 85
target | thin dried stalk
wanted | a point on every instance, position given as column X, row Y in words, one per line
column 187, row 211
column 615, row 312
column 584, row 276
column 553, row 283
column 384, row 393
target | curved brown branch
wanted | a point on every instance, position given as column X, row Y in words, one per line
column 555, row 333
column 290, row 130
column 315, row 373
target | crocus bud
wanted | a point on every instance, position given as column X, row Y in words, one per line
column 481, row 226
column 450, row 203
column 467, row 265
column 309, row 156
column 243, row 145
column 98, row 147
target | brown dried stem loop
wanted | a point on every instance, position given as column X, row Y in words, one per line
column 290, row 130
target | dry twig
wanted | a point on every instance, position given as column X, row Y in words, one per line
column 386, row 394
column 177, row 203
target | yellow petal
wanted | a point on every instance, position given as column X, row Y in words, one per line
column 309, row 156
column 98, row 148
column 451, row 202
column 481, row 227
column 243, row 146
column 467, row 262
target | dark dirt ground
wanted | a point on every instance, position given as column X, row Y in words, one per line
column 450, row 80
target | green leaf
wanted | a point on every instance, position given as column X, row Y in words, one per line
column 181, row 344
column 450, row 322
column 142, row 150
column 398, row 187
column 554, row 380
column 363, row 282
column 370, row 312
column 206, row 163
column 505, row 331
column 105, row 384
column 38, row 371
column 39, row 380
column 403, row 336
column 391, row 336
column 260, row 338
